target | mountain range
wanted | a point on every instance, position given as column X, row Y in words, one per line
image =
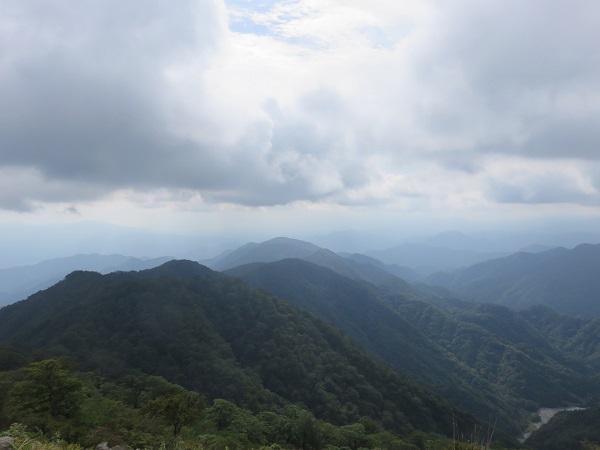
column 566, row 280
column 343, row 334
column 215, row 335
column 485, row 359
column 17, row 283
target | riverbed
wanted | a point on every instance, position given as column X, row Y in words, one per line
column 545, row 415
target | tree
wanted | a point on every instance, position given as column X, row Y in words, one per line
column 222, row 413
column 49, row 388
column 136, row 386
column 305, row 429
column 176, row 410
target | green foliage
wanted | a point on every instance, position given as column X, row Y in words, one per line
column 171, row 417
column 47, row 396
column 176, row 410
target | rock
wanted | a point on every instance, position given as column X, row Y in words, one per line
column 7, row 443
column 104, row 446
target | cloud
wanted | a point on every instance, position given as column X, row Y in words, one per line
column 87, row 94
column 409, row 103
column 524, row 181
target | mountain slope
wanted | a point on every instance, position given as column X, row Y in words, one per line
column 215, row 335
column 575, row 336
column 566, row 280
column 271, row 250
column 356, row 309
column 356, row 267
column 506, row 351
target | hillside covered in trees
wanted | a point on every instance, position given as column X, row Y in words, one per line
column 216, row 336
column 485, row 359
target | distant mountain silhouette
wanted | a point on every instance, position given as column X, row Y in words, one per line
column 356, row 266
column 268, row 251
column 17, row 283
column 426, row 259
column 566, row 280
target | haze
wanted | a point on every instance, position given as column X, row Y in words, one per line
column 227, row 121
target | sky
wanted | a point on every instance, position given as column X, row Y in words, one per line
column 300, row 116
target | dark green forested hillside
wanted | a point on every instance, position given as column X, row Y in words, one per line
column 507, row 351
column 216, row 336
column 484, row 358
column 566, row 280
column 356, row 309
column 576, row 336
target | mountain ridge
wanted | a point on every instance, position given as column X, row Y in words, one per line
column 214, row 334
column 566, row 280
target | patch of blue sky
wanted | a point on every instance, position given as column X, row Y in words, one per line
column 249, row 16
column 246, row 25
column 261, row 6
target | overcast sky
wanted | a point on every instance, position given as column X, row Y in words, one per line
column 200, row 116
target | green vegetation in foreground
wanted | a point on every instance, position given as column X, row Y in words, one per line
column 51, row 406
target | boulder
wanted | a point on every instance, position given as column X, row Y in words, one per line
column 104, row 446
column 7, row 443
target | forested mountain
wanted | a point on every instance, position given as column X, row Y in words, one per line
column 566, row 280
column 485, row 358
column 217, row 336
column 356, row 309
column 507, row 351
column 354, row 266
column 17, row 283
column 576, row 336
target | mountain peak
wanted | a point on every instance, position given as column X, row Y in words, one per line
column 180, row 268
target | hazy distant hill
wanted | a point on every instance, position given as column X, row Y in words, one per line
column 271, row 250
column 17, row 283
column 216, row 335
column 427, row 259
column 356, row 267
column 566, row 280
